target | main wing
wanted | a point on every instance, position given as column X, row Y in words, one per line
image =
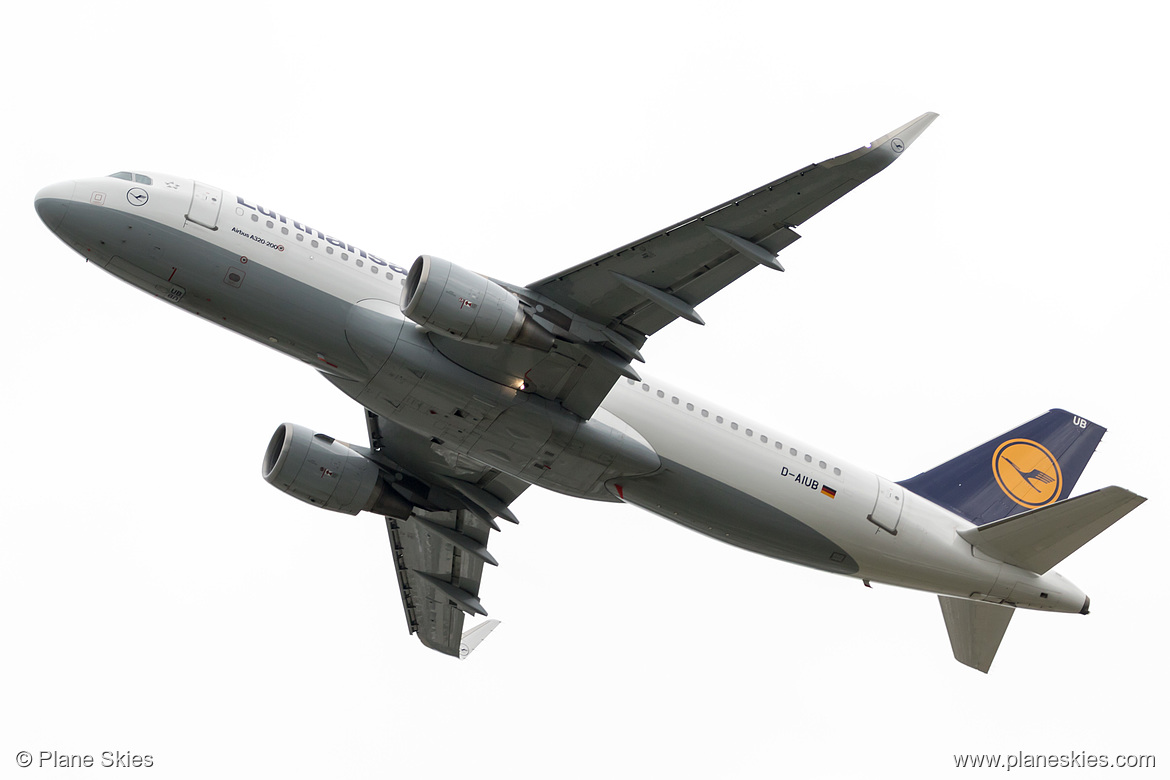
column 440, row 548
column 602, row 311
column 645, row 285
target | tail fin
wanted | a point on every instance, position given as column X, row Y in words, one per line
column 976, row 628
column 1032, row 466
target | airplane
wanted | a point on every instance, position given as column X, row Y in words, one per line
column 475, row 388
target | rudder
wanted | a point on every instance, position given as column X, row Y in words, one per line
column 1031, row 466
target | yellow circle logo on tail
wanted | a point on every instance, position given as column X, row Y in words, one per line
column 1027, row 472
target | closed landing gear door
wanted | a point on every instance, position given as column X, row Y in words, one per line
column 205, row 203
column 887, row 509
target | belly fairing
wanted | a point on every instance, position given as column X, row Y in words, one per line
column 718, row 510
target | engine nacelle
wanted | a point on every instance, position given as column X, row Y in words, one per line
column 460, row 304
column 322, row 471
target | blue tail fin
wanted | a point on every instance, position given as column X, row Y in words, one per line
column 1036, row 464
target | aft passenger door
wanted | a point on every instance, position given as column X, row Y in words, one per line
column 887, row 507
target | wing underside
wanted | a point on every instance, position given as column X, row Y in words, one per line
column 440, row 548
column 602, row 311
column 643, row 286
column 438, row 579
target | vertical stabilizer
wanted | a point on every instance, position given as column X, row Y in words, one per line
column 976, row 628
column 1035, row 465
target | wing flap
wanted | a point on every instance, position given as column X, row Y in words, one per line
column 645, row 317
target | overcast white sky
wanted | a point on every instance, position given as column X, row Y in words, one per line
column 158, row 597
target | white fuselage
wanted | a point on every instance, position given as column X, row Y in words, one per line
column 289, row 286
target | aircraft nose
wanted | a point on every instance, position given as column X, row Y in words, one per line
column 52, row 203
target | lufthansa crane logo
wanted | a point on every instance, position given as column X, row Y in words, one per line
column 1027, row 472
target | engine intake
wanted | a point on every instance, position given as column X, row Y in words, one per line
column 450, row 300
column 322, row 471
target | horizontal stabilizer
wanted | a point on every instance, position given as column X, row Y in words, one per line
column 976, row 628
column 1041, row 538
column 473, row 636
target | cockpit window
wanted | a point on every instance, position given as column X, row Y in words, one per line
column 137, row 178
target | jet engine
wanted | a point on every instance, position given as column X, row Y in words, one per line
column 460, row 304
column 322, row 471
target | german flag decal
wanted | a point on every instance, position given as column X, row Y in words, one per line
column 828, row 491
